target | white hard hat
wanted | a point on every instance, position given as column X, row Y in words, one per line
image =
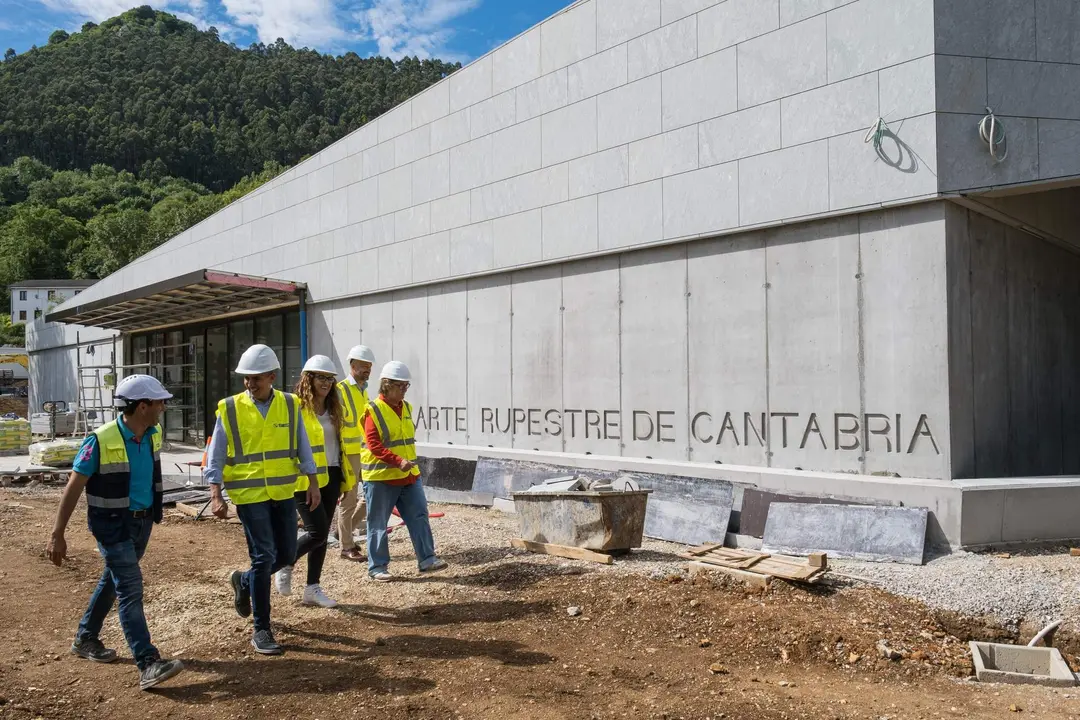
column 256, row 360
column 362, row 353
column 320, row 364
column 395, row 370
column 139, row 387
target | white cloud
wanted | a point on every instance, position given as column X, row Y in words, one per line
column 413, row 27
column 312, row 23
column 396, row 27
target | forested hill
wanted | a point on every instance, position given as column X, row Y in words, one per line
column 145, row 87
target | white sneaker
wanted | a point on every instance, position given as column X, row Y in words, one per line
column 283, row 580
column 314, row 595
column 382, row 576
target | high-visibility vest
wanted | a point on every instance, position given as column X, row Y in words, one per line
column 317, row 438
column 262, row 460
column 397, row 434
column 110, row 487
column 354, row 401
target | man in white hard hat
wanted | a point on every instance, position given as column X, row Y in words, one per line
column 354, row 398
column 392, row 477
column 258, row 451
column 119, row 465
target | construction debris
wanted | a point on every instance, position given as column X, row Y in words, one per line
column 755, row 568
column 566, row 551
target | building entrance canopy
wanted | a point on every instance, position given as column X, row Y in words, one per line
column 196, row 297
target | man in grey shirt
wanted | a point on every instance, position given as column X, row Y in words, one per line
column 253, row 469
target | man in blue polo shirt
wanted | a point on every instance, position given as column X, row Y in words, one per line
column 119, row 465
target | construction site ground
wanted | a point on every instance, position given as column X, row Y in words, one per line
column 489, row 638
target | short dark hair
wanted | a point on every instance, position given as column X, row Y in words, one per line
column 132, row 406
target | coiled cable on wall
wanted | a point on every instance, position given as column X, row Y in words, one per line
column 992, row 133
column 876, row 133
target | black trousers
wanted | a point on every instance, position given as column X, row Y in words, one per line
column 317, row 525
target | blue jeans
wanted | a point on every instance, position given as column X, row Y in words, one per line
column 270, row 528
column 412, row 504
column 122, row 541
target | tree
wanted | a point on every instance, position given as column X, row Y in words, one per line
column 13, row 335
column 9, row 55
column 34, row 244
column 58, row 36
column 146, row 86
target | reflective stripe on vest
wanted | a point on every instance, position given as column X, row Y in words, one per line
column 395, row 432
column 352, row 425
column 317, row 438
column 262, row 456
column 110, row 487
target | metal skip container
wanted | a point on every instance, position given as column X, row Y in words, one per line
column 594, row 520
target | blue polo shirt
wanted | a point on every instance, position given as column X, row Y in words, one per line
column 140, row 458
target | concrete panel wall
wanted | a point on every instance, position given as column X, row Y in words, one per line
column 821, row 346
column 1018, row 300
column 598, row 104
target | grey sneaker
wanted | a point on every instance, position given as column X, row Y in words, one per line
column 92, row 649
column 382, row 576
column 265, row 644
column 158, row 672
column 434, row 566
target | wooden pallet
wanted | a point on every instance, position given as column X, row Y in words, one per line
column 743, row 563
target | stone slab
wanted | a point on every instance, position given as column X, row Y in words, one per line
column 882, row 534
column 756, row 504
column 447, row 473
column 458, row 497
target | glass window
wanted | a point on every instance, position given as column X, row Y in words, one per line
column 52, row 294
column 22, row 315
column 218, row 369
column 37, row 313
column 268, row 331
column 293, row 365
column 139, row 353
column 22, row 295
column 241, row 333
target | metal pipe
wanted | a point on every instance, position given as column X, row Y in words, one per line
column 303, row 327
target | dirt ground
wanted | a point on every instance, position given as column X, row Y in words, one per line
column 490, row 638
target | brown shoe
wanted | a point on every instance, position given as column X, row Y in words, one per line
column 354, row 555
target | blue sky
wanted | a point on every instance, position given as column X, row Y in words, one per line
column 449, row 29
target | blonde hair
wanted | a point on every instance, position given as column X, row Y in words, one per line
column 305, row 390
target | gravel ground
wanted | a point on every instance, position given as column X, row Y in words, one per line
column 1034, row 586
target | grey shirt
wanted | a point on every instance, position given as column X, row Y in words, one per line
column 219, row 447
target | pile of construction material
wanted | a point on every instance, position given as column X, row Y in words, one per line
column 14, row 437
column 43, row 423
column 55, row 453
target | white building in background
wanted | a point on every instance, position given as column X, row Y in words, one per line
column 33, row 298
column 657, row 235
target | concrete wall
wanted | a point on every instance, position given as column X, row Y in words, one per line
column 1014, row 325
column 820, row 347
column 55, row 356
column 614, row 124
column 1022, row 59
column 17, row 370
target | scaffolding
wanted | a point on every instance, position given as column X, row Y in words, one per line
column 175, row 366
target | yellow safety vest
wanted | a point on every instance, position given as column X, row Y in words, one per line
column 354, row 400
column 317, row 438
column 109, row 487
column 398, row 434
column 262, row 460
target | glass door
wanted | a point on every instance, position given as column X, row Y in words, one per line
column 217, row 371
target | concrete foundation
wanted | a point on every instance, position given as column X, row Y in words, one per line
column 1019, row 665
